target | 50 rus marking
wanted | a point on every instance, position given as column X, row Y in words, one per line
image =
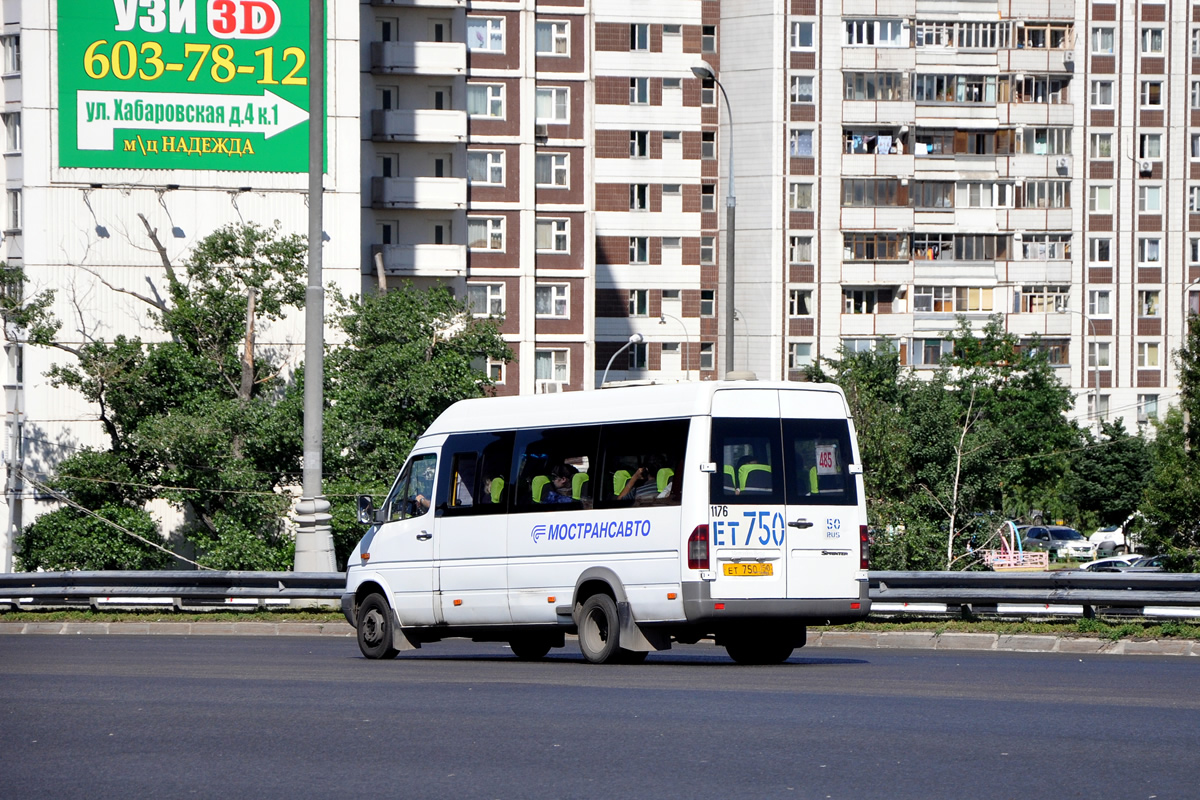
column 125, row 60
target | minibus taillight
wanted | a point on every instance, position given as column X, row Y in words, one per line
column 864, row 548
column 698, row 548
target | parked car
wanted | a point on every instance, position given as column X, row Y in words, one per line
column 1113, row 540
column 1061, row 542
column 1147, row 564
column 1111, row 564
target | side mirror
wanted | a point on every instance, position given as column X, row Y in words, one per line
column 366, row 510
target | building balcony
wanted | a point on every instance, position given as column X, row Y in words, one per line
column 419, row 193
column 418, row 125
column 423, row 260
column 419, row 58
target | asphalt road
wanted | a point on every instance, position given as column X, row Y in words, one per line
column 295, row 717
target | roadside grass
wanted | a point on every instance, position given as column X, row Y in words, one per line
column 1095, row 628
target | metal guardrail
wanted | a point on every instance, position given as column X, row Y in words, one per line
column 972, row 590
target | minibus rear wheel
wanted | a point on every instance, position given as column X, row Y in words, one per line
column 758, row 649
column 531, row 648
column 375, row 628
column 599, row 629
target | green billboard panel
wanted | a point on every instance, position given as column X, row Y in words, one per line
column 183, row 84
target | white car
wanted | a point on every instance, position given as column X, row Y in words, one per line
column 1111, row 564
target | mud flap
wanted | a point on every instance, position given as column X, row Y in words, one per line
column 400, row 638
column 634, row 637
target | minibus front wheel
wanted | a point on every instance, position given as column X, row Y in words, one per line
column 375, row 628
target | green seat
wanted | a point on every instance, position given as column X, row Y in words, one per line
column 814, row 483
column 620, row 478
column 577, row 482
column 745, row 471
column 730, row 477
column 538, row 487
column 497, row 489
column 664, row 477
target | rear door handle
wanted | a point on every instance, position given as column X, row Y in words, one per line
column 800, row 523
column 424, row 536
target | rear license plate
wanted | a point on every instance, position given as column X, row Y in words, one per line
column 749, row 570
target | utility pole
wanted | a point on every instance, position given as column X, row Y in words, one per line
column 314, row 541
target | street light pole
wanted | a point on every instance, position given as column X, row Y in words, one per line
column 314, row 541
column 634, row 338
column 704, row 71
column 1095, row 366
column 662, row 320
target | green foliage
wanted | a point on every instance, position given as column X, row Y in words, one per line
column 407, row 356
column 28, row 316
column 1108, row 476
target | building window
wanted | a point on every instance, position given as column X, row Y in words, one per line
column 1046, row 194
column 485, row 34
column 485, row 299
column 799, row 355
column 639, row 36
column 1046, row 246
column 550, row 169
column 1194, row 199
column 881, row 86
column 551, row 38
column 639, row 144
column 1045, row 299
column 551, row 365
column 1149, row 252
column 552, row 300
column 859, row 301
column 12, row 132
column 708, row 250
column 1100, row 252
column 1098, row 353
column 800, row 302
column 875, row 33
column 552, row 103
column 485, row 100
column 1196, row 41
column 1147, row 354
column 1152, row 41
column 639, row 197
column 1100, row 199
column 1099, row 303
column 708, row 302
column 1101, row 145
column 875, row 246
column 639, row 250
column 800, row 88
column 12, row 54
column 1100, row 412
column 800, row 196
column 708, row 92
column 708, row 145
column 1103, row 40
column 708, row 39
column 14, row 210
column 708, row 197
column 707, row 362
column 485, row 233
column 931, row 299
column 874, row 192
column 485, row 167
column 1151, row 94
column 800, row 143
column 639, row 302
column 552, row 236
column 1102, row 94
column 639, row 91
column 929, row 352
column 638, row 355
column 1150, row 199
column 1148, row 303
column 801, row 37
column 1194, row 250
column 1150, row 145
column 1147, row 407
column 800, row 249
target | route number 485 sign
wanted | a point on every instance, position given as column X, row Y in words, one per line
column 183, row 84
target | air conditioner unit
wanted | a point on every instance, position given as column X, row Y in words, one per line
column 1062, row 164
column 541, row 131
column 1146, row 167
column 547, row 387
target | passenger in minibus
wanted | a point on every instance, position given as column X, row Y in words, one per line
column 559, row 489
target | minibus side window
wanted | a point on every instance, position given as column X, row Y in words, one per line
column 643, row 463
column 413, row 492
column 749, row 464
column 477, row 480
column 818, row 458
column 554, row 469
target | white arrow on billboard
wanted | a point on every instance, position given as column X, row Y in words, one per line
column 101, row 113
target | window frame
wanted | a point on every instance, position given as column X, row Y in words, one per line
column 560, row 233
column 559, row 298
column 490, row 36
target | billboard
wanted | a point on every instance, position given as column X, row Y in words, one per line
column 183, row 84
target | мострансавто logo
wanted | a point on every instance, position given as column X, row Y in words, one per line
column 570, row 531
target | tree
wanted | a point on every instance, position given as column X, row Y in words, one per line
column 407, row 356
column 205, row 413
column 1107, row 477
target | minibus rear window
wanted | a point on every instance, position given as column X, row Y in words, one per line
column 818, row 456
column 771, row 461
column 749, row 461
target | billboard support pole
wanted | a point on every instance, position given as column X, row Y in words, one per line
column 314, row 540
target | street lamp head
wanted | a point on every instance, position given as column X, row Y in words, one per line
column 703, row 70
column 636, row 338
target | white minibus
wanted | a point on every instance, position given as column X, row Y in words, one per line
column 632, row 517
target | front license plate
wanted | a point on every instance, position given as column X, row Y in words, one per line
column 749, row 570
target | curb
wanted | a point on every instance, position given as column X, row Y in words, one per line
column 882, row 640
